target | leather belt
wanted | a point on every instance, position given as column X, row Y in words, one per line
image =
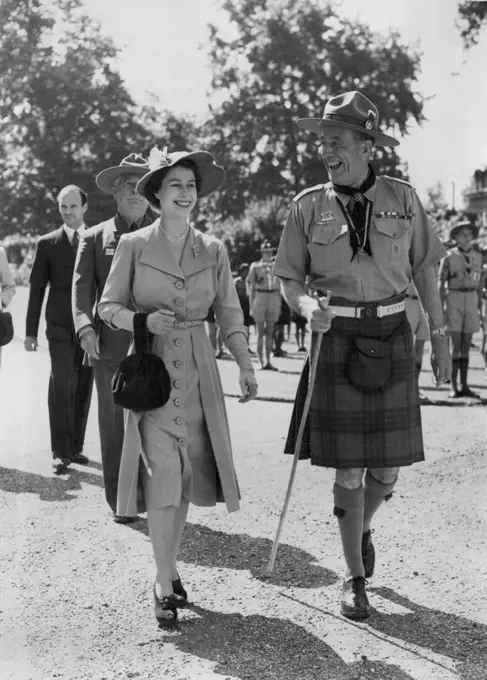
column 264, row 290
column 188, row 324
column 369, row 312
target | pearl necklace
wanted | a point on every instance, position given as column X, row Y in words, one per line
column 176, row 239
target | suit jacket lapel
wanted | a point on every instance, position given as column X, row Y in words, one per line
column 65, row 243
column 196, row 256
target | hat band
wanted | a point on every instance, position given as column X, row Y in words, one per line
column 350, row 120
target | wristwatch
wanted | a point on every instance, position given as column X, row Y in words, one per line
column 440, row 331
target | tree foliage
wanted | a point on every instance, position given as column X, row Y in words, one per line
column 288, row 58
column 472, row 17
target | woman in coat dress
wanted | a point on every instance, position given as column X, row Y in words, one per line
column 175, row 273
column 7, row 286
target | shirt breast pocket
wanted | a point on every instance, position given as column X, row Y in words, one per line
column 391, row 243
column 327, row 247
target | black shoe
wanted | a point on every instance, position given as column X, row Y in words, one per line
column 355, row 604
column 467, row 392
column 302, row 349
column 269, row 367
column 60, row 465
column 164, row 606
column 79, row 458
column 122, row 519
column 368, row 553
column 180, row 594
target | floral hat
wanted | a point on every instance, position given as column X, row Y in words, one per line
column 212, row 175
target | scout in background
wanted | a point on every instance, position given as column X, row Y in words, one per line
column 459, row 282
column 419, row 326
column 265, row 303
column 483, row 312
column 283, row 321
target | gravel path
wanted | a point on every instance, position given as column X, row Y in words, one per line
column 76, row 588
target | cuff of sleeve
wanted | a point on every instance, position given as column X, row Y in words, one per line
column 84, row 330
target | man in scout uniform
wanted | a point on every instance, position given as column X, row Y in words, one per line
column 361, row 239
column 459, row 283
column 105, row 347
column 419, row 326
column 265, row 303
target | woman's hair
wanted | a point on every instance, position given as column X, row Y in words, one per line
column 154, row 183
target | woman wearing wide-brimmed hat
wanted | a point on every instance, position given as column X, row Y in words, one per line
column 460, row 275
column 174, row 273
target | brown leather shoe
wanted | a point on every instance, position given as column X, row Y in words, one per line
column 355, row 604
column 368, row 553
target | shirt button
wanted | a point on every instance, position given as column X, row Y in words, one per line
column 177, row 384
column 178, row 363
column 178, row 302
column 179, row 420
column 179, row 284
column 182, row 441
column 177, row 401
column 178, row 342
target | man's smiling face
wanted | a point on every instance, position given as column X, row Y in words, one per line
column 346, row 155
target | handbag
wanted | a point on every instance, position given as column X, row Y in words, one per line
column 6, row 327
column 142, row 381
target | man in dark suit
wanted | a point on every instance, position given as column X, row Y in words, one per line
column 70, row 382
column 106, row 347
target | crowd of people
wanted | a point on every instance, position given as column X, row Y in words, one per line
column 358, row 263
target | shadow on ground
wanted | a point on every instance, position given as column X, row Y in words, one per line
column 245, row 647
column 215, row 549
column 47, row 488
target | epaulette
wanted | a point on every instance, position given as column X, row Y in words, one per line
column 318, row 187
column 396, row 179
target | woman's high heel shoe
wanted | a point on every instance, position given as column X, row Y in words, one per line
column 165, row 610
column 180, row 594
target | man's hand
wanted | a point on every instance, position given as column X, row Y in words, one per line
column 30, row 344
column 90, row 344
column 161, row 321
column 320, row 316
column 248, row 385
column 441, row 359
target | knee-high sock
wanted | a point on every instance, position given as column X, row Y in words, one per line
column 161, row 522
column 456, row 363
column 180, row 521
column 375, row 493
column 349, row 509
column 463, row 372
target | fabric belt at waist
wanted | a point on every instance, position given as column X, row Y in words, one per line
column 412, row 297
column 462, row 290
column 188, row 324
column 265, row 290
column 369, row 311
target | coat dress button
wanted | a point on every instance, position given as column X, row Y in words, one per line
column 178, row 342
column 178, row 363
column 179, row 284
column 179, row 420
column 177, row 401
column 178, row 302
column 182, row 441
column 177, row 384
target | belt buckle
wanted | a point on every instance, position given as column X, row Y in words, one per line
column 368, row 313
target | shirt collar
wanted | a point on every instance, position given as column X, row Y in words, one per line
column 369, row 195
column 70, row 232
column 122, row 223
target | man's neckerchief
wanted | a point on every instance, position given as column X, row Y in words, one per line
column 357, row 210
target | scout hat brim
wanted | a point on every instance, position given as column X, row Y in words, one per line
column 212, row 175
column 461, row 225
column 317, row 124
column 131, row 165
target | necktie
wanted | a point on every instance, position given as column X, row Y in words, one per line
column 75, row 241
column 357, row 210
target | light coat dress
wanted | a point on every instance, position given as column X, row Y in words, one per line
column 186, row 443
column 7, row 286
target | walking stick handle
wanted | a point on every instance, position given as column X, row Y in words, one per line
column 315, row 353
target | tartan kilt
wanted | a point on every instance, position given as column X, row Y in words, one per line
column 347, row 428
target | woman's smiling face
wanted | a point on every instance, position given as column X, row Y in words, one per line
column 178, row 194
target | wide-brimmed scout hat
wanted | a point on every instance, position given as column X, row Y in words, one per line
column 212, row 175
column 130, row 165
column 464, row 223
column 266, row 246
column 350, row 110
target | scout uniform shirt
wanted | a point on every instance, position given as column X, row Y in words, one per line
column 315, row 246
column 261, row 277
column 462, row 273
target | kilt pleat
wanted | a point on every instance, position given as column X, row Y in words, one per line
column 348, row 428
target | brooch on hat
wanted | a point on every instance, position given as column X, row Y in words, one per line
column 158, row 159
column 369, row 123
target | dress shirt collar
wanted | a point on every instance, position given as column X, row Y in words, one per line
column 70, row 232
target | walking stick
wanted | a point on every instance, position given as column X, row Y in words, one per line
column 297, row 447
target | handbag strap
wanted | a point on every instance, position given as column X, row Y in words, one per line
column 142, row 337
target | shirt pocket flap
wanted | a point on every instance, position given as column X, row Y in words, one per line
column 327, row 235
column 392, row 228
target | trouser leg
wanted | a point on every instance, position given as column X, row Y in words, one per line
column 82, row 400
column 61, row 396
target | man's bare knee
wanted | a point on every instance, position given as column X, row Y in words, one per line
column 350, row 478
column 385, row 475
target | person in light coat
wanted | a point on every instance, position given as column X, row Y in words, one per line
column 7, row 286
column 175, row 274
